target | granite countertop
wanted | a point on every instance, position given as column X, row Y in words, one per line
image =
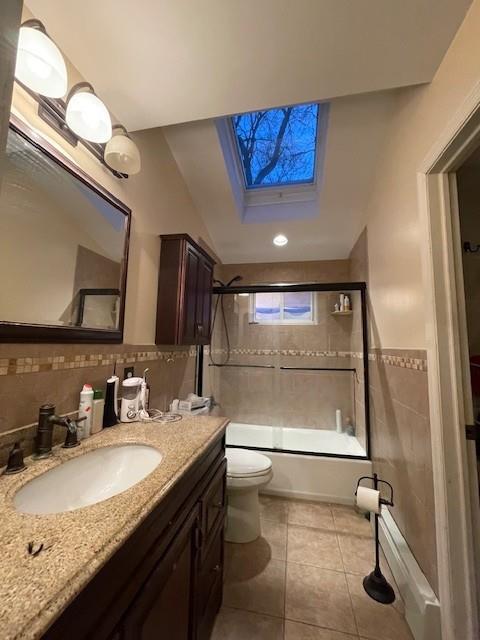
column 35, row 590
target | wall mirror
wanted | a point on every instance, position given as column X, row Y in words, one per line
column 63, row 248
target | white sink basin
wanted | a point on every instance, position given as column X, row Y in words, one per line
column 90, row 478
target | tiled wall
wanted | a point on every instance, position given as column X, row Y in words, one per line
column 401, row 447
column 278, row 397
column 400, row 433
column 31, row 375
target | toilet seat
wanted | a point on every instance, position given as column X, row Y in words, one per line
column 242, row 463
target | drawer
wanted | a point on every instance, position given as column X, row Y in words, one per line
column 214, row 506
column 210, row 583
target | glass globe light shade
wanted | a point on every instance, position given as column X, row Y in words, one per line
column 88, row 117
column 122, row 154
column 40, row 65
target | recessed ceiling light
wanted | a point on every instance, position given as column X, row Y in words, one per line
column 280, row 240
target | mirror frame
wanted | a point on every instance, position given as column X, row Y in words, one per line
column 24, row 332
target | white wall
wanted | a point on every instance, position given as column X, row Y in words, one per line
column 395, row 243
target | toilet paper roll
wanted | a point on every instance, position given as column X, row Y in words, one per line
column 368, row 499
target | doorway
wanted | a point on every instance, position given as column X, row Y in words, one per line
column 449, row 302
column 468, row 197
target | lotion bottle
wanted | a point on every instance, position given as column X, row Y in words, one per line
column 98, row 410
column 85, row 409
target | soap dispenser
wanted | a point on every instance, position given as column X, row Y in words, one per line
column 15, row 462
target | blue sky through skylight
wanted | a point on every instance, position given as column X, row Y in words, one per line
column 277, row 147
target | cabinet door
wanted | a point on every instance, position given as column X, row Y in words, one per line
column 164, row 606
column 192, row 262
column 209, row 596
column 213, row 506
column 204, row 302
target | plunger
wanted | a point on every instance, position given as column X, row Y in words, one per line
column 375, row 584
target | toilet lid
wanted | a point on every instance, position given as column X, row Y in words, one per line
column 242, row 463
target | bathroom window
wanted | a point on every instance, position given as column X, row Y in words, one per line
column 277, row 147
column 282, row 308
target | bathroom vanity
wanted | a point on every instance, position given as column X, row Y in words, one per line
column 147, row 563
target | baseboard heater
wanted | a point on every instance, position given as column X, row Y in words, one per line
column 422, row 608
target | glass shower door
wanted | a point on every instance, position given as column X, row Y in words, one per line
column 287, row 369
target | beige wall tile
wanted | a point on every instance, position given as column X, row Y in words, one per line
column 21, row 395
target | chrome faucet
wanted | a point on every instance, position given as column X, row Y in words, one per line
column 46, row 419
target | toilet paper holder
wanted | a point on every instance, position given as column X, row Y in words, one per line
column 375, row 584
column 376, row 482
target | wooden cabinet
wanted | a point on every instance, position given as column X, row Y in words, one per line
column 184, row 300
column 166, row 580
column 165, row 600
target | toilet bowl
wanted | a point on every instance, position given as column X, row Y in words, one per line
column 247, row 472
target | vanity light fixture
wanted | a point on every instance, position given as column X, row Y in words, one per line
column 121, row 153
column 280, row 240
column 86, row 115
column 40, row 65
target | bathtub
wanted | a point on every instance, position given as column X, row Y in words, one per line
column 299, row 475
column 293, row 439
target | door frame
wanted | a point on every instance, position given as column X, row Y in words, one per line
column 447, row 346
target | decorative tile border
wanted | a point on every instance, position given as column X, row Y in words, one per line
column 15, row 366
column 405, row 362
column 418, row 364
column 287, row 352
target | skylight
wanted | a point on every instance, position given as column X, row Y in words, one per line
column 277, row 147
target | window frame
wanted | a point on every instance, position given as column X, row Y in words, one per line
column 300, row 191
column 282, row 321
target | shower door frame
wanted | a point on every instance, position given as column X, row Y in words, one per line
column 292, row 288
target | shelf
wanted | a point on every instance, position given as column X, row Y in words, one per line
column 342, row 313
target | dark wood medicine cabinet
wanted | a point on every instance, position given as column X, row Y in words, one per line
column 185, row 281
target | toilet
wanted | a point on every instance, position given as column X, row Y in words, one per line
column 247, row 472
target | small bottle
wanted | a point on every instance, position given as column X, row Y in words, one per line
column 349, row 428
column 85, row 410
column 338, row 421
column 98, row 410
column 346, row 303
column 342, row 302
column 146, row 393
column 110, row 414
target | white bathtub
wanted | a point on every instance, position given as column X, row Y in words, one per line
column 298, row 475
column 298, row 440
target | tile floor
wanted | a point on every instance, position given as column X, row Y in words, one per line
column 302, row 580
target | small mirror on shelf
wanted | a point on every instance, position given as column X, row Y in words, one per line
column 63, row 248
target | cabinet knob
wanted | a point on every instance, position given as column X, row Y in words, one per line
column 217, row 568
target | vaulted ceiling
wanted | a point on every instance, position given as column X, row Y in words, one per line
column 159, row 62
column 180, row 64
column 354, row 142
